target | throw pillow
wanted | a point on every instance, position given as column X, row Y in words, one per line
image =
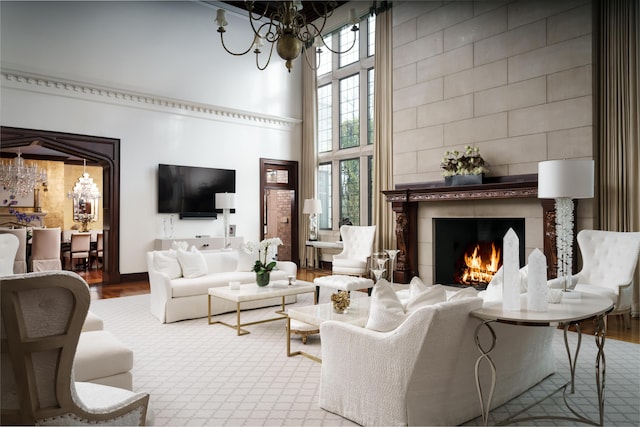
column 429, row 296
column 192, row 262
column 246, row 258
column 464, row 293
column 385, row 311
column 416, row 286
column 175, row 245
column 167, row 262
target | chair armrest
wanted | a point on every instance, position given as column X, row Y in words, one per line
column 288, row 267
column 358, row 361
column 160, row 286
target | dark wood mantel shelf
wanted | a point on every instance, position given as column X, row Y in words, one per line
column 507, row 187
column 405, row 199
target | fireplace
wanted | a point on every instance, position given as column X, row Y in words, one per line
column 468, row 251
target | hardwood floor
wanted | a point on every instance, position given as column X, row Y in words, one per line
column 615, row 324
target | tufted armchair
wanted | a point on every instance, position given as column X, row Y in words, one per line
column 42, row 316
column 356, row 250
column 609, row 260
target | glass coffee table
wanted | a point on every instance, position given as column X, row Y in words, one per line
column 252, row 292
column 357, row 314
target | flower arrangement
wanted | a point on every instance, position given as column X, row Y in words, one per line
column 469, row 162
column 261, row 266
column 22, row 218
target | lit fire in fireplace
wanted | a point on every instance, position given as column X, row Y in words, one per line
column 480, row 265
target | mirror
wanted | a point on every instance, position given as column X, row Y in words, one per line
column 85, row 211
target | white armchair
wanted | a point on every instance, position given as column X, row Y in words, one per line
column 42, row 316
column 609, row 260
column 356, row 250
column 422, row 373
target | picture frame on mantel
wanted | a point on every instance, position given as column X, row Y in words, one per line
column 21, row 201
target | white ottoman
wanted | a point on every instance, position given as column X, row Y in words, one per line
column 342, row 283
column 102, row 359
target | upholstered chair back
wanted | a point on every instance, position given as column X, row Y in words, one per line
column 81, row 244
column 357, row 241
column 45, row 249
column 20, row 263
column 9, row 245
column 42, row 317
column 609, row 258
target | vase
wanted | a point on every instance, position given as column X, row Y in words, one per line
column 463, row 180
column 262, row 279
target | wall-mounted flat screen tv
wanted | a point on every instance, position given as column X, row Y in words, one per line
column 189, row 191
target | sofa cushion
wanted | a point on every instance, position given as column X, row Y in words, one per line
column 416, row 286
column 192, row 263
column 220, row 261
column 385, row 311
column 167, row 262
column 246, row 258
column 429, row 296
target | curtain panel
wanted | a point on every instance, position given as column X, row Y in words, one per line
column 617, row 120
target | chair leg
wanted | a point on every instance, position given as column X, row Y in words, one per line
column 627, row 319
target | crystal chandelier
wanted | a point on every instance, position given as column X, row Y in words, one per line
column 20, row 179
column 287, row 28
column 85, row 189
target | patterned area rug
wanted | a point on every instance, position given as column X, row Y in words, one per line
column 200, row 374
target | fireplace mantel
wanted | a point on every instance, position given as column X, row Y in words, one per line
column 405, row 199
column 507, row 187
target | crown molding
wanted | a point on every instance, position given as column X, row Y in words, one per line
column 20, row 80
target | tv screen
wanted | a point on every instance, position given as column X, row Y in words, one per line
column 190, row 191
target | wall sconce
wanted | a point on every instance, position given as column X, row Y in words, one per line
column 226, row 202
column 312, row 207
column 565, row 180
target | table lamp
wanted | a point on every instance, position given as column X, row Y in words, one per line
column 313, row 207
column 226, row 202
column 565, row 180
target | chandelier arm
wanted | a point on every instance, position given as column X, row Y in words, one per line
column 268, row 59
column 230, row 52
column 353, row 43
column 270, row 35
column 306, row 57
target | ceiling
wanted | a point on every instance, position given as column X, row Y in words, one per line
column 310, row 9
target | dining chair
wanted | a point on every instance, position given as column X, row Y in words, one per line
column 42, row 318
column 45, row 249
column 8, row 247
column 96, row 254
column 79, row 250
column 20, row 263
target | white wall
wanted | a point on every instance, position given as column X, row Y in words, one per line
column 200, row 106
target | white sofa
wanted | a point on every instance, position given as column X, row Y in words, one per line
column 175, row 298
column 422, row 372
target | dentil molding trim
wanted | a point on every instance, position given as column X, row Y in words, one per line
column 59, row 87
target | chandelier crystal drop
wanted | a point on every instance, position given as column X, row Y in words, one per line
column 20, row 179
column 85, row 188
column 287, row 28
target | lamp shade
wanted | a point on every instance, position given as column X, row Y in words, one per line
column 565, row 178
column 312, row 206
column 225, row 201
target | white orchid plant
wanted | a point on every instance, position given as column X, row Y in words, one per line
column 261, row 266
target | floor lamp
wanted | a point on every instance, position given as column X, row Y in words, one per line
column 226, row 202
column 565, row 180
column 312, row 207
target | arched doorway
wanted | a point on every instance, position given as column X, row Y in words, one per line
column 99, row 151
